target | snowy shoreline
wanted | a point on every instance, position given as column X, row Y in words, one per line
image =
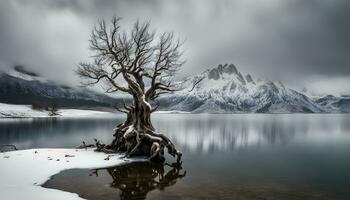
column 25, row 111
column 27, row 170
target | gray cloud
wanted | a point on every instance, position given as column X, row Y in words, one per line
column 290, row 41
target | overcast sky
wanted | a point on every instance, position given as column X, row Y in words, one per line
column 300, row 42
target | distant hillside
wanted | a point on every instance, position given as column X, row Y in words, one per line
column 19, row 86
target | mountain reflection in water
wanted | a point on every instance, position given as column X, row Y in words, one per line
column 190, row 132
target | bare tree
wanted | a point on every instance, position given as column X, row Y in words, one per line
column 142, row 64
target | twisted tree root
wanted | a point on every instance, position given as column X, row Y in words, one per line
column 144, row 142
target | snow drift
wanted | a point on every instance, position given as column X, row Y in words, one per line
column 22, row 172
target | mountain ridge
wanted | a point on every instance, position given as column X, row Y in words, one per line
column 20, row 86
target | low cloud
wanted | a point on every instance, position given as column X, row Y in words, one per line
column 286, row 40
column 329, row 85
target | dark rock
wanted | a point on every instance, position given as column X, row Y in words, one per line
column 214, row 74
column 231, row 69
column 241, row 78
column 249, row 78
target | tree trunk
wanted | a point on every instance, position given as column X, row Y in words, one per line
column 137, row 136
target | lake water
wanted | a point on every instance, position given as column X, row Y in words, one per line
column 226, row 156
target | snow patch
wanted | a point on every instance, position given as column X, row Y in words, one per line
column 22, row 172
column 21, row 75
column 145, row 102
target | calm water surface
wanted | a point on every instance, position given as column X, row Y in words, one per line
column 253, row 156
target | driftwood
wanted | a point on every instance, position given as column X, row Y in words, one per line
column 85, row 146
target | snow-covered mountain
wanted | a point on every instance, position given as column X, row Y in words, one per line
column 224, row 89
column 19, row 86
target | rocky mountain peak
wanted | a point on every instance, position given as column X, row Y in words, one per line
column 216, row 73
column 231, row 70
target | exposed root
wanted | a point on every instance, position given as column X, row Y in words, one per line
column 140, row 142
column 159, row 142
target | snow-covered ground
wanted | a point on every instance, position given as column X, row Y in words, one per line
column 11, row 110
column 22, row 172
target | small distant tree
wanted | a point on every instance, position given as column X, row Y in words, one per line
column 142, row 64
column 37, row 106
column 53, row 110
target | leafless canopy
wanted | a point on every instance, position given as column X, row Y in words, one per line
column 139, row 62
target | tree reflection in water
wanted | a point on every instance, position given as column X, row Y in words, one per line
column 135, row 180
